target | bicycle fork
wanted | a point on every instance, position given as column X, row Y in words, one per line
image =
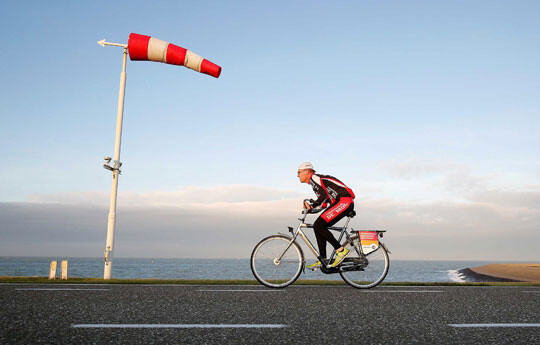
column 324, row 265
column 293, row 239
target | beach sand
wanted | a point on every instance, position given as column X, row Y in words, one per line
column 507, row 272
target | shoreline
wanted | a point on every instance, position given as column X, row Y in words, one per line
column 471, row 276
column 502, row 273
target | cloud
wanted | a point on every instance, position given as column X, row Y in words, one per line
column 414, row 168
column 226, row 220
column 463, row 183
column 456, row 230
column 527, row 198
column 200, row 195
column 487, row 224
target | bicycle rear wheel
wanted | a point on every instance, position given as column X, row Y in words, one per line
column 271, row 271
column 365, row 272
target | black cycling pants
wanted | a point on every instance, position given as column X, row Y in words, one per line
column 330, row 217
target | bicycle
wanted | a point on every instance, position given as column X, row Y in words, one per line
column 278, row 260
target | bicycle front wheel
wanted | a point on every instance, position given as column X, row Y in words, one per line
column 367, row 271
column 276, row 262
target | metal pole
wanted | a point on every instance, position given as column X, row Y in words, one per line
column 109, row 247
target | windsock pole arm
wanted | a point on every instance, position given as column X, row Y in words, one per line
column 103, row 42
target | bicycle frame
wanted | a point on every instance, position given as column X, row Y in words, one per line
column 303, row 225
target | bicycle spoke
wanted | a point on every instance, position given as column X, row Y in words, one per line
column 272, row 272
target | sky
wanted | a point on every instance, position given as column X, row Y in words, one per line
column 428, row 110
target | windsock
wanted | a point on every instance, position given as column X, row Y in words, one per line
column 148, row 48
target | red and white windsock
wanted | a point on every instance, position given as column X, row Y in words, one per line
column 148, row 48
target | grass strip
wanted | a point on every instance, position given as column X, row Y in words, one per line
column 75, row 280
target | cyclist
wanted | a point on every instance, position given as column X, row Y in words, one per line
column 337, row 199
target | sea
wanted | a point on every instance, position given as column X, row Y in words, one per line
column 155, row 268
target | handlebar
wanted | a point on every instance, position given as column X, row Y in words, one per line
column 308, row 201
column 306, row 211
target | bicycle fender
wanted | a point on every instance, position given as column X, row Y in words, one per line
column 285, row 235
column 385, row 247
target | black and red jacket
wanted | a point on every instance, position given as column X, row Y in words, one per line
column 329, row 189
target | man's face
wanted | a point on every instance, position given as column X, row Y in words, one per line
column 303, row 175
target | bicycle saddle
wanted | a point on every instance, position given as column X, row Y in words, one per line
column 352, row 214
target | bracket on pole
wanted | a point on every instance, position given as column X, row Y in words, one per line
column 116, row 166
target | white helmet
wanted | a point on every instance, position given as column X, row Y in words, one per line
column 306, row 165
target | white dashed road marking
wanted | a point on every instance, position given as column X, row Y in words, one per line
column 408, row 291
column 60, row 289
column 252, row 290
column 179, row 325
column 478, row 325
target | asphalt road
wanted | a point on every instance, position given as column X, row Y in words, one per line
column 84, row 314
